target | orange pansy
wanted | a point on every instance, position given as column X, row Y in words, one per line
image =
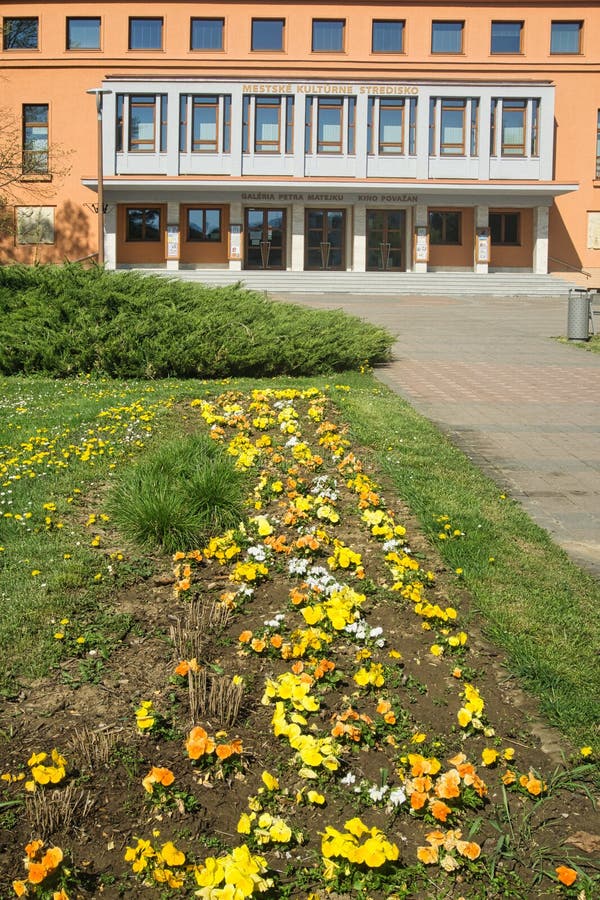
column 566, row 875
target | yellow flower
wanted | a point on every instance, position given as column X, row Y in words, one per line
column 270, row 781
column 171, row 855
column 489, row 756
column 586, row 751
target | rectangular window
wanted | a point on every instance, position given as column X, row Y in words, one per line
column 535, row 127
column 507, row 37
column 289, row 125
column 565, row 37
column 119, row 123
column 183, row 121
column 205, row 124
column 505, row 228
column 513, row 127
column 412, row 126
column 330, row 116
column 328, row 35
column 145, row 34
column 207, row 34
column 388, row 36
column 267, row 124
column 35, row 139
column 267, row 34
column 20, row 33
column 204, row 224
column 143, row 224
column 474, row 126
column 164, row 117
column 142, row 123
column 351, row 125
column 35, row 224
column 391, row 126
column 445, row 227
column 83, row 34
column 447, row 37
column 308, row 125
column 452, row 128
column 227, row 123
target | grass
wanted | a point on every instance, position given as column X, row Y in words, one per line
column 533, row 601
column 178, row 495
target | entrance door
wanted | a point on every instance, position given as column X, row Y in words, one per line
column 325, row 239
column 386, row 239
column 265, row 239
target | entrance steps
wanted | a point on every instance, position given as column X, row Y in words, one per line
column 502, row 284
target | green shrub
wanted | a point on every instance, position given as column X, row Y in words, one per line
column 178, row 496
column 66, row 320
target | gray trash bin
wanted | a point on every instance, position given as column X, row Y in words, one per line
column 578, row 320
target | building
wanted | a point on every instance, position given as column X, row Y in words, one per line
column 302, row 136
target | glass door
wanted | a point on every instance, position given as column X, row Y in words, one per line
column 325, row 239
column 265, row 239
column 386, row 239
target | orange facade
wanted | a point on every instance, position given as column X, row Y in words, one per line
column 376, row 135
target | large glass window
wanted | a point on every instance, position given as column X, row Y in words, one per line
column 145, row 34
column 506, row 37
column 388, row 36
column 205, row 124
column 267, row 125
column 445, row 227
column 452, row 128
column 143, row 224
column 330, row 116
column 204, row 224
column 328, row 35
column 565, row 37
column 207, row 34
column 35, row 139
column 267, row 34
column 391, row 126
column 20, row 33
column 83, row 34
column 142, row 123
column 514, row 114
column 447, row 37
column 505, row 228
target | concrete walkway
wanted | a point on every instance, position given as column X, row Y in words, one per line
column 525, row 408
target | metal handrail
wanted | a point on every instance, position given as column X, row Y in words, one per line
column 569, row 266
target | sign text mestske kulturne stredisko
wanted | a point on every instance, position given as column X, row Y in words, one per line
column 289, row 88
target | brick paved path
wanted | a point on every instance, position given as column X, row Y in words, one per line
column 525, row 408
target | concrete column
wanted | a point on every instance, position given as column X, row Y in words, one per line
column 173, row 133
column 236, row 218
column 420, row 219
column 360, row 238
column 297, row 237
column 482, row 219
column 299, row 121
column 236, row 130
column 110, row 236
column 540, row 240
column 360, row 132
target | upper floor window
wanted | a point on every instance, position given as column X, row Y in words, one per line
column 147, row 123
column 445, row 226
column 35, row 139
column 83, row 34
column 267, row 34
column 388, row 36
column 145, row 34
column 20, row 33
column 507, row 37
column 447, row 37
column 210, row 118
column 390, row 121
column 332, row 120
column 328, row 35
column 268, row 122
column 206, row 34
column 515, row 127
column 453, row 126
column 565, row 37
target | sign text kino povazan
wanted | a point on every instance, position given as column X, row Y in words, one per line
column 289, row 88
column 337, row 198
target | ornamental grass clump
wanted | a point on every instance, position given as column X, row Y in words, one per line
column 178, row 496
